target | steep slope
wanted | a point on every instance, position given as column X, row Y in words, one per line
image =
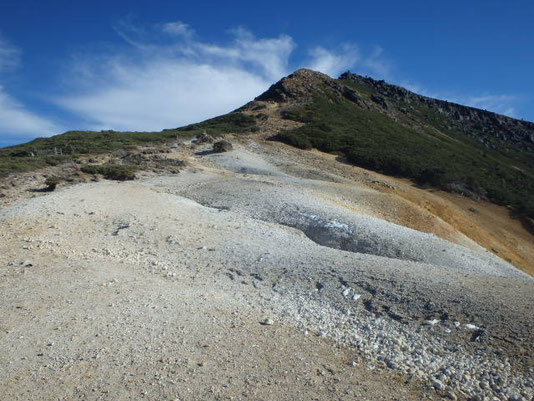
column 391, row 130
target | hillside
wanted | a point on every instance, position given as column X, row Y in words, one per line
column 391, row 130
column 173, row 265
column 369, row 123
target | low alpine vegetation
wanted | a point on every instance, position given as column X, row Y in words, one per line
column 119, row 172
column 52, row 182
column 222, row 146
column 43, row 152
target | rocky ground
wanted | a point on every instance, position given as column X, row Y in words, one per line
column 249, row 276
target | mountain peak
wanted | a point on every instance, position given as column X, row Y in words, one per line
column 298, row 86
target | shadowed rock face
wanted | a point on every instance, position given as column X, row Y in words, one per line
column 477, row 123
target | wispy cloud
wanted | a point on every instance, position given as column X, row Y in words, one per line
column 505, row 104
column 169, row 77
column 377, row 64
column 16, row 121
column 333, row 62
column 164, row 94
column 160, row 84
column 178, row 28
column 9, row 55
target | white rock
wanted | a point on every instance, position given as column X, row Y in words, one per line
column 431, row 322
column 470, row 326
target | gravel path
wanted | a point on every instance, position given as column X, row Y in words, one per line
column 158, row 289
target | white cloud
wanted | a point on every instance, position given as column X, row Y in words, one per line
column 333, row 63
column 178, row 28
column 172, row 84
column 164, row 94
column 16, row 120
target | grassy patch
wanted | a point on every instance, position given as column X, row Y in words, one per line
column 447, row 160
column 237, row 123
column 119, row 172
column 43, row 152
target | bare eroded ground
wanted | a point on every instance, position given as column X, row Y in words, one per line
column 157, row 289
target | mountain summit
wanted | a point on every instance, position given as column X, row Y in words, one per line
column 392, row 130
column 484, row 126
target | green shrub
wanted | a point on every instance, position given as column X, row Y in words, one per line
column 119, row 172
column 52, row 182
column 222, row 146
column 293, row 138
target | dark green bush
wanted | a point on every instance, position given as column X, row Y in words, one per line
column 119, row 172
column 222, row 146
column 52, row 182
column 294, row 139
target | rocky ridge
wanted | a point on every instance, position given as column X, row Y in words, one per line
column 481, row 125
column 490, row 129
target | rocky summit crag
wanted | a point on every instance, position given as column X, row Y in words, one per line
column 482, row 125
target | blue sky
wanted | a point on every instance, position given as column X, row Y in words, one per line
column 149, row 65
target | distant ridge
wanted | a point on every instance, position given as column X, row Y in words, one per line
column 471, row 120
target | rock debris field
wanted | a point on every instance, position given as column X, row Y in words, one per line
column 241, row 279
